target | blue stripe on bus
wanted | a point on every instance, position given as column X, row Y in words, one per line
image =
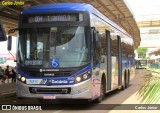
column 56, row 80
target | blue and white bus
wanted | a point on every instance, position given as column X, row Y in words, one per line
column 71, row 51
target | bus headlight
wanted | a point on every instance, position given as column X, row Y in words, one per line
column 78, row 79
column 23, row 79
column 83, row 77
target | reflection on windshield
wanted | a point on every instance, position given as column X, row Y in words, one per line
column 54, row 47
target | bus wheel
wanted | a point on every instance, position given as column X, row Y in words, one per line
column 102, row 91
column 128, row 77
column 126, row 81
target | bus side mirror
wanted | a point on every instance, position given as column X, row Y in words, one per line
column 9, row 44
column 96, row 37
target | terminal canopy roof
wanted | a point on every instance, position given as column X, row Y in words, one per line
column 116, row 10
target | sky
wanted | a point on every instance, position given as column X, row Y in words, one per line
column 146, row 10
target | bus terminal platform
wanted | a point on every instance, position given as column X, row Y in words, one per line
column 8, row 89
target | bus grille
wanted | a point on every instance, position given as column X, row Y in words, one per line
column 56, row 73
column 36, row 90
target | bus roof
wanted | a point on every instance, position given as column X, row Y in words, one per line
column 57, row 7
column 70, row 7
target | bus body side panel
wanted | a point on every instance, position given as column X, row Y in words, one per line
column 118, row 66
column 96, row 82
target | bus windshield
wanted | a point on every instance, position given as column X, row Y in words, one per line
column 69, row 46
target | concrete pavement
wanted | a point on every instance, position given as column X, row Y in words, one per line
column 7, row 89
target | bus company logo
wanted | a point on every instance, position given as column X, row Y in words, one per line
column 48, row 70
column 48, row 74
column 44, row 81
column 6, row 107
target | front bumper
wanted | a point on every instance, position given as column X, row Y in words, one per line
column 78, row 91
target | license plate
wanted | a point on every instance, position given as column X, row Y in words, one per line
column 49, row 96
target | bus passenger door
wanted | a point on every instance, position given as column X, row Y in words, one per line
column 109, row 67
column 119, row 62
column 96, row 59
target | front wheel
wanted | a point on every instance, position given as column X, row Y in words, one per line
column 102, row 92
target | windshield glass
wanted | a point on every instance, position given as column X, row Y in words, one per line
column 53, row 47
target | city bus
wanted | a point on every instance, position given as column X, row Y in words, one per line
column 71, row 51
column 141, row 64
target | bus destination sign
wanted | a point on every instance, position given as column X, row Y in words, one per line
column 52, row 18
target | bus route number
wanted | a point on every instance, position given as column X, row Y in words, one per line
column 38, row 18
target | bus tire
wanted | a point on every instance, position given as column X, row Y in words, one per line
column 128, row 77
column 126, row 80
column 102, row 90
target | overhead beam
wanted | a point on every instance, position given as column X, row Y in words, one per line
column 37, row 1
column 8, row 16
column 102, row 5
column 1, row 6
column 123, row 19
column 152, row 23
column 120, row 12
column 106, row 9
column 9, row 8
